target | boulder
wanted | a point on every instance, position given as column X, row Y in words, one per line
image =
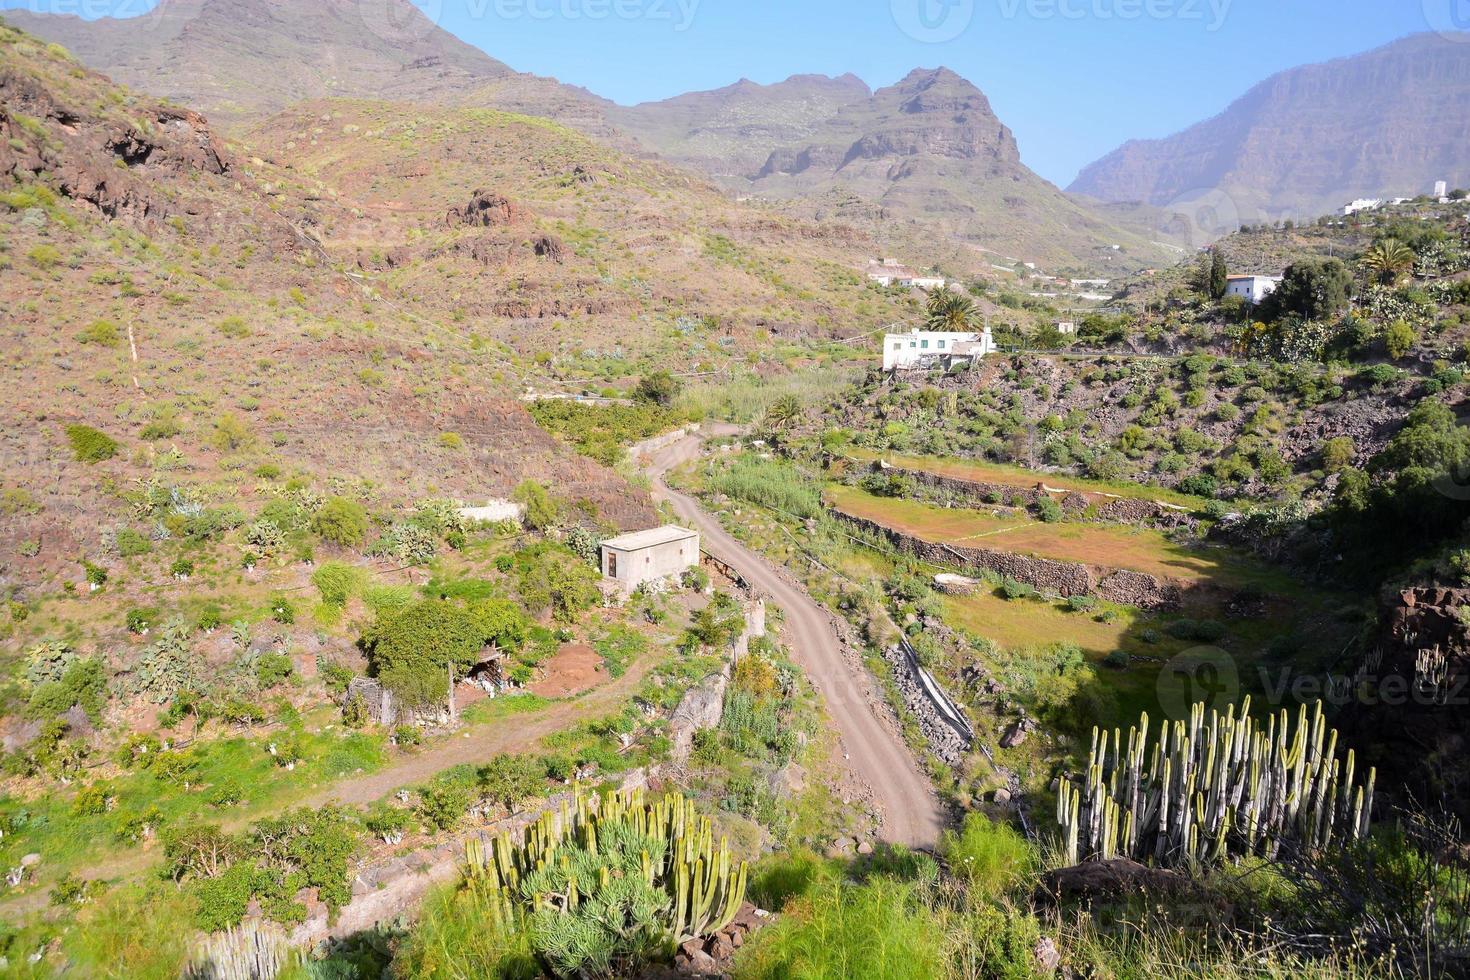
column 1107, row 881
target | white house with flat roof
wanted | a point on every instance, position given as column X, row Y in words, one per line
column 924, row 349
column 659, row 554
column 1252, row 289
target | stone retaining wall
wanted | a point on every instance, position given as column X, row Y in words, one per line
column 1054, row 577
column 1117, row 510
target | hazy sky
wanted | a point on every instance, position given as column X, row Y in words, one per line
column 1072, row 78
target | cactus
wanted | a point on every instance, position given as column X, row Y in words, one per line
column 1213, row 788
column 652, row 868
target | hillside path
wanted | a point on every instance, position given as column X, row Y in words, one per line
column 875, row 753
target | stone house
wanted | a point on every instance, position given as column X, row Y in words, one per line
column 660, row 554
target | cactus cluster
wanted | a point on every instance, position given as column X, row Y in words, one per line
column 1214, row 787
column 610, row 876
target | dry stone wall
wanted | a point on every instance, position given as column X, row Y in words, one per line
column 1053, row 577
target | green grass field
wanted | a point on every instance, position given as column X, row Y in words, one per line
column 1106, row 545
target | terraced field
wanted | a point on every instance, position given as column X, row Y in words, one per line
column 1106, row 545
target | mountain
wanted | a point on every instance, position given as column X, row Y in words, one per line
column 929, row 147
column 242, row 59
column 927, row 151
column 1386, row 123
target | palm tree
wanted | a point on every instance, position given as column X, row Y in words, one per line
column 950, row 311
column 783, row 411
column 1388, row 260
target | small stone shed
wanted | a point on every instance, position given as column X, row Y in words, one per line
column 659, row 554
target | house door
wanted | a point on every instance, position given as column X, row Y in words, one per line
column 612, row 564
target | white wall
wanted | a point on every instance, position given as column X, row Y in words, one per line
column 904, row 350
column 661, row 561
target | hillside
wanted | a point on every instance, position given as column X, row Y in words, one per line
column 242, row 59
column 1306, row 141
column 218, row 313
column 928, row 150
column 928, row 147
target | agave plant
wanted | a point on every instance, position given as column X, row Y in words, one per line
column 1213, row 788
column 610, row 881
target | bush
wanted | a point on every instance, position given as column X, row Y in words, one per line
column 182, row 568
column 131, row 544
column 138, row 621
column 337, row 582
column 541, row 510
column 89, row 445
column 769, row 483
column 1118, row 660
column 282, row 609
column 341, row 520
column 1013, row 589
column 1197, row 630
column 1081, row 603
column 1338, row 453
column 102, row 333
column 659, row 388
column 272, row 669
column 989, row 856
column 411, row 650
column 1049, row 510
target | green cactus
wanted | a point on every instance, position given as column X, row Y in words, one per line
column 1216, row 787
column 610, row 880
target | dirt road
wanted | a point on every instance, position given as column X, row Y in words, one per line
column 876, row 754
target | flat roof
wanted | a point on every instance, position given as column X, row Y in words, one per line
column 638, row 540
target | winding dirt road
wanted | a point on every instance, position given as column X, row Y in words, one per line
column 876, row 755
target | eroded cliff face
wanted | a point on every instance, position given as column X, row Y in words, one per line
column 1306, row 141
column 1410, row 712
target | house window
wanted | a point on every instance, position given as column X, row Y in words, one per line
column 941, row 344
column 898, row 346
column 612, row 564
column 926, row 345
column 912, row 344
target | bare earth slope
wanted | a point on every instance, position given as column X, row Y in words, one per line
column 1386, row 123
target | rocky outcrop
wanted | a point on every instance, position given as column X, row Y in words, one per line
column 713, row 956
column 701, row 708
column 487, row 209
column 1109, row 881
column 944, row 739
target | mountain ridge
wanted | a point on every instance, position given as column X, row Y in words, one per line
column 1305, row 140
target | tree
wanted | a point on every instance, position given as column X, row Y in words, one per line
column 1219, row 274
column 411, row 651
column 541, row 510
column 1313, row 289
column 950, row 311
column 1388, row 260
column 659, row 388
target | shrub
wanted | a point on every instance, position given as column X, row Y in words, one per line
column 89, row 445
column 769, row 483
column 231, row 434
column 271, row 669
column 1013, row 589
column 989, row 856
column 1399, row 339
column 1338, row 453
column 1081, row 603
column 541, row 510
column 139, row 620
column 659, row 388
column 337, row 582
column 103, row 333
column 282, row 610
column 341, row 520
column 130, row 543
column 45, row 257
column 1118, row 660
column 510, row 780
column 411, row 651
column 1197, row 630
column 234, row 327
column 1049, row 510
column 184, row 568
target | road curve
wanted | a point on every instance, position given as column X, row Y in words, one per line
column 912, row 814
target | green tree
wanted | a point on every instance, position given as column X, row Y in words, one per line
column 411, row 651
column 541, row 510
column 950, row 311
column 1219, row 274
column 1388, row 260
column 659, row 388
column 1314, row 289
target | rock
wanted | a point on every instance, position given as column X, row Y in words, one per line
column 1108, row 881
column 1013, row 737
column 1046, row 955
column 720, row 947
column 701, row 708
column 866, row 847
column 30, row 860
column 1001, row 796
column 549, row 247
column 487, row 209
column 696, row 963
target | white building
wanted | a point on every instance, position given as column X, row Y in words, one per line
column 1067, row 327
column 659, row 554
column 1252, row 289
column 1361, row 204
column 923, row 282
column 1441, row 188
column 924, row 349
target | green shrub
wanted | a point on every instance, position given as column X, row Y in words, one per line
column 140, row 620
column 411, row 651
column 130, row 543
column 89, row 445
column 183, row 568
column 541, row 510
column 1197, row 630
column 989, row 856
column 451, row 440
column 234, row 327
column 282, row 609
column 1081, row 603
column 337, row 582
column 103, row 333
column 1049, row 510
column 1118, row 660
column 271, row 669
column 1013, row 589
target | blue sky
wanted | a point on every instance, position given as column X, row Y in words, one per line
column 1072, row 78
